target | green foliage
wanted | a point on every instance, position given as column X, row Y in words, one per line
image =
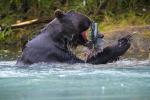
column 5, row 33
column 96, row 9
column 109, row 13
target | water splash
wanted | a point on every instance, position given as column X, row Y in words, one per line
column 126, row 68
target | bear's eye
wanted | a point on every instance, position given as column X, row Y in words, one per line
column 71, row 14
column 71, row 11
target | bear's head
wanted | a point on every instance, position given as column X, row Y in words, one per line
column 73, row 21
column 70, row 25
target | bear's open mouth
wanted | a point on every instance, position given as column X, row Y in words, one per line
column 85, row 35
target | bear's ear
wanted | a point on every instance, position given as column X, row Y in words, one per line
column 59, row 13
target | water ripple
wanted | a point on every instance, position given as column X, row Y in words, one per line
column 123, row 68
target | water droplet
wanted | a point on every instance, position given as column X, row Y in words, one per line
column 62, row 75
column 122, row 84
column 103, row 88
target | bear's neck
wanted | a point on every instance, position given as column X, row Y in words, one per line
column 53, row 31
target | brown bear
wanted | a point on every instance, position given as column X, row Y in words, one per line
column 50, row 45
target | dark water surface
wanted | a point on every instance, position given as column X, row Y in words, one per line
column 123, row 80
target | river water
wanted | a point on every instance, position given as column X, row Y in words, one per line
column 122, row 80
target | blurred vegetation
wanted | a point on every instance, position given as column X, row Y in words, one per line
column 111, row 14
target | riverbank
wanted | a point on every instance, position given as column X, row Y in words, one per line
column 139, row 46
